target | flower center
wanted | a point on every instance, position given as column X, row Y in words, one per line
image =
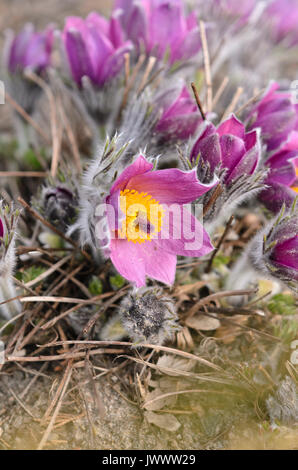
column 143, row 216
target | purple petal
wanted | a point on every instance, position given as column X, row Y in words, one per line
column 275, row 196
column 232, row 126
column 182, row 234
column 99, row 22
column 114, row 63
column 249, row 162
column 166, row 24
column 136, row 260
column 171, row 185
column 232, row 150
column 140, row 166
column 188, row 46
column 286, row 253
column 78, row 57
column 1, row 229
column 209, row 151
column 115, row 31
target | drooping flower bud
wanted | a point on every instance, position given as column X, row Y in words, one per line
column 27, row 50
column 149, row 316
column 59, row 205
column 274, row 251
column 95, row 48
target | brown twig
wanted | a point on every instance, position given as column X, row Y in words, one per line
column 198, row 101
column 26, row 116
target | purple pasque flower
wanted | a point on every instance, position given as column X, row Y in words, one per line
column 283, row 15
column 180, row 117
column 276, row 115
column 30, row 49
column 95, row 47
column 161, row 26
column 274, row 251
column 227, row 147
column 145, row 238
column 282, row 179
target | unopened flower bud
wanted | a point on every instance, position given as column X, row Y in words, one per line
column 148, row 316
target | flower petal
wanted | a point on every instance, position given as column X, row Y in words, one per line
column 182, row 234
column 140, row 166
column 136, row 260
column 232, row 126
column 78, row 57
column 171, row 185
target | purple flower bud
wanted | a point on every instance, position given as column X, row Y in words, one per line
column 59, row 206
column 180, row 117
column 94, row 47
column 30, row 49
column 284, row 17
column 282, row 180
column 274, row 251
column 276, row 115
column 161, row 26
column 228, row 147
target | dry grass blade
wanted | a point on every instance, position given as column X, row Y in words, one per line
column 65, row 381
column 183, row 392
column 151, row 346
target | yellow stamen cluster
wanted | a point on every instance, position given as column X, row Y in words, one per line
column 295, row 187
column 143, row 216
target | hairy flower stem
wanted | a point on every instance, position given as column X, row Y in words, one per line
column 7, row 291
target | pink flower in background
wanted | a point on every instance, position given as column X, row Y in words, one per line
column 95, row 47
column 283, row 15
column 282, row 180
column 229, row 147
column 30, row 49
column 161, row 26
column 143, row 237
column 236, row 8
column 180, row 117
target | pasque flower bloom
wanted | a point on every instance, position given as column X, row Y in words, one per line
column 145, row 237
column 161, row 26
column 59, row 205
column 229, row 147
column 276, row 115
column 180, row 117
column 94, row 47
column 30, row 49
